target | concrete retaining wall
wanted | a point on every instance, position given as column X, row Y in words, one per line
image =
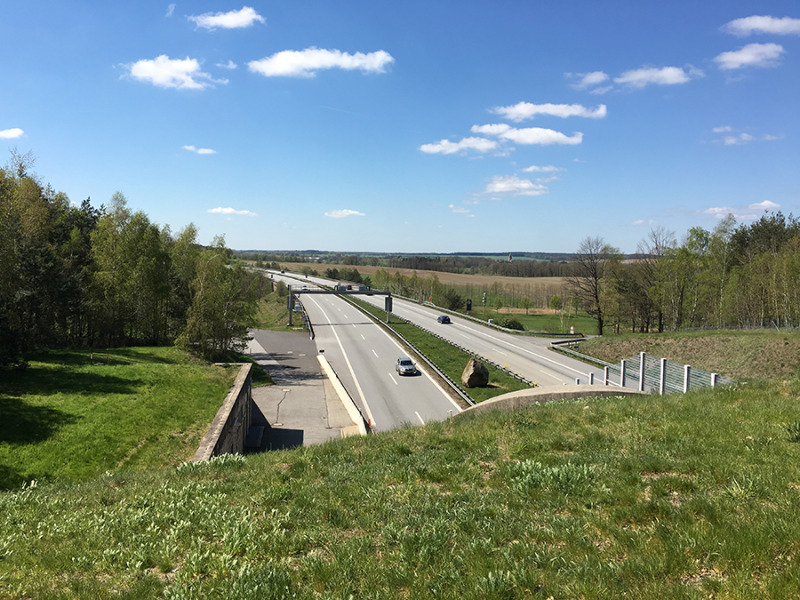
column 540, row 395
column 229, row 428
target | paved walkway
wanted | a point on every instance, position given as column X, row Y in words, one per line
column 302, row 408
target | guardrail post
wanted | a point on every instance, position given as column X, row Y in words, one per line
column 687, row 372
column 591, row 378
column 642, row 356
column 622, row 374
column 662, row 376
column 605, row 375
column 714, row 377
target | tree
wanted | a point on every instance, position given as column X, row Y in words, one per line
column 649, row 273
column 224, row 298
column 594, row 259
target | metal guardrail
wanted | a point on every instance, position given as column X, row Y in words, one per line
column 479, row 357
column 650, row 373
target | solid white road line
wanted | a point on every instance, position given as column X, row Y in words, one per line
column 349, row 366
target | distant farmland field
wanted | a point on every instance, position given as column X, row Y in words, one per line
column 538, row 289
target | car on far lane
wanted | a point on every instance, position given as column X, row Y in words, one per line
column 405, row 366
column 444, row 319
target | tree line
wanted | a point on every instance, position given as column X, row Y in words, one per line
column 737, row 275
column 443, row 263
column 80, row 276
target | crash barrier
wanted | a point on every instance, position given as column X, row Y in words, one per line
column 650, row 374
column 477, row 356
column 228, row 430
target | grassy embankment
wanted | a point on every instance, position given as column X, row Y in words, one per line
column 740, row 355
column 72, row 415
column 691, row 496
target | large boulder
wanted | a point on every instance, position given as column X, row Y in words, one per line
column 475, row 374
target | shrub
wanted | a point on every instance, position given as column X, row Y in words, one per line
column 511, row 323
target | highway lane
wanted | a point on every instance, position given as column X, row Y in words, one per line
column 527, row 356
column 363, row 356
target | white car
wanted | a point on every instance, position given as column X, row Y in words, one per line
column 405, row 366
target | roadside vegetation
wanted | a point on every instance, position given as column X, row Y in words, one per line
column 75, row 414
column 741, row 355
column 85, row 277
column 681, row 497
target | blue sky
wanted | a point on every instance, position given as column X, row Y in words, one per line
column 415, row 126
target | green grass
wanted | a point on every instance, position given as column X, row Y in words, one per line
column 741, row 355
column 75, row 414
column 678, row 497
column 582, row 322
column 273, row 314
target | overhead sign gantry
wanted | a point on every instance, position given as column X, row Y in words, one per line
column 338, row 290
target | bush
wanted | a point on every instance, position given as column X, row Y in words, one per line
column 510, row 323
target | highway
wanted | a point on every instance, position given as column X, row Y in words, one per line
column 525, row 355
column 363, row 356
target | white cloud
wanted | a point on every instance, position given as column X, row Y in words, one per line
column 305, row 63
column 765, row 205
column 742, row 213
column 763, row 24
column 491, row 129
column 514, row 186
column 639, row 78
column 752, row 55
column 172, row 73
column 230, row 65
column 643, row 222
column 543, row 169
column 541, row 137
column 591, row 82
column 235, row 19
column 170, row 10
column 460, row 210
column 199, row 150
column 231, row 211
column 342, row 213
column 525, row 110
column 734, row 138
column 528, row 136
column 10, row 134
column 469, row 143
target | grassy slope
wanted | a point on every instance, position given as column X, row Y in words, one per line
column 741, row 355
column 80, row 413
column 676, row 497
